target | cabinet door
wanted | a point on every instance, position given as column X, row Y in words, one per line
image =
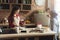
column 46, row 38
column 4, row 6
column 13, row 5
column 31, row 38
column 26, row 7
column 27, row 1
column 21, row 38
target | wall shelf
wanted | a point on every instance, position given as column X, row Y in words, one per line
column 23, row 4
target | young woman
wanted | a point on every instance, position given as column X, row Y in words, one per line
column 14, row 17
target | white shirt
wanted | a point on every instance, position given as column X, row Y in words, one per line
column 16, row 20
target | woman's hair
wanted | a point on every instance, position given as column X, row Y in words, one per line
column 12, row 13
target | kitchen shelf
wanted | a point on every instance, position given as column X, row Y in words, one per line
column 4, row 6
column 27, row 1
column 16, row 5
column 23, row 4
column 26, row 7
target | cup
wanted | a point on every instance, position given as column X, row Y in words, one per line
column 39, row 26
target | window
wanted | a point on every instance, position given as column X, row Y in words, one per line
column 57, row 10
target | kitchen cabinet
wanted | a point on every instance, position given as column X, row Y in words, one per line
column 8, row 4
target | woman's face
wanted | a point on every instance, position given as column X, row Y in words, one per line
column 17, row 12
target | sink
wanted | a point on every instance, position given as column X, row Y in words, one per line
column 8, row 31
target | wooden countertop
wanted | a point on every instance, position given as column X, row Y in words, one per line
column 8, row 24
column 4, row 24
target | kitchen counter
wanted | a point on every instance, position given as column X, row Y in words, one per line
column 6, row 24
column 47, row 31
column 26, row 34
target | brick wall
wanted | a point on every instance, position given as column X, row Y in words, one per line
column 4, row 14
